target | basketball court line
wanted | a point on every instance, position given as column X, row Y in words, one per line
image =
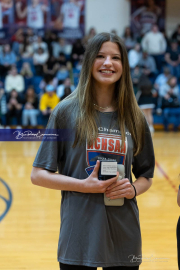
column 8, row 202
column 166, row 176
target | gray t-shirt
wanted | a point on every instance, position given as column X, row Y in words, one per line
column 92, row 234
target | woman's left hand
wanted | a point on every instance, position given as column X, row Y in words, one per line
column 120, row 189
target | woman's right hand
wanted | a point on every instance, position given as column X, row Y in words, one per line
column 93, row 185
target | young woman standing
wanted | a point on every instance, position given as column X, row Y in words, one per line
column 107, row 124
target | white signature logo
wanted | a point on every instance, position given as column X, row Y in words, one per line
column 26, row 133
column 134, row 259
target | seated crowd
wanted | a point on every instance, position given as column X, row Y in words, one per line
column 36, row 73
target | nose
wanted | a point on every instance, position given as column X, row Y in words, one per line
column 107, row 61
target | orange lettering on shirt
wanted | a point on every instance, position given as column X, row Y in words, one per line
column 117, row 146
column 111, row 145
column 97, row 144
column 104, row 144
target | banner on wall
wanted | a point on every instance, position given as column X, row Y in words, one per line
column 145, row 13
column 66, row 17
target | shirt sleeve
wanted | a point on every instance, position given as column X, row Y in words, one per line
column 42, row 105
column 144, row 163
column 50, row 152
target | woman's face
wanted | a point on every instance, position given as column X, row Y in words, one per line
column 7, row 48
column 14, row 94
column 173, row 82
column 128, row 31
column 107, row 68
column 30, row 92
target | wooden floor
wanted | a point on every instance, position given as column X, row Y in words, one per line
column 29, row 231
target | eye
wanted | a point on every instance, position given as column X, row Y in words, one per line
column 99, row 56
column 116, row 58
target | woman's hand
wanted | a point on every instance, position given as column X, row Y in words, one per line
column 93, row 185
column 120, row 189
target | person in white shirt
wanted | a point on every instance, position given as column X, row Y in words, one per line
column 34, row 13
column 40, row 44
column 61, row 87
column 61, row 47
column 14, row 81
column 169, row 88
column 39, row 59
column 162, row 78
column 134, row 56
column 155, row 44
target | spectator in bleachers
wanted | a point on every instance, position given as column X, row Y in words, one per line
column 134, row 56
column 61, row 88
column 17, row 39
column 91, row 34
column 76, row 72
column 136, row 74
column 48, row 79
column 169, row 94
column 61, row 59
column 39, row 59
column 172, row 58
column 148, row 65
column 14, row 105
column 14, row 81
column 30, row 35
column 62, row 73
column 77, row 52
column 26, row 49
column 48, row 102
column 27, row 73
column 7, row 58
column 26, row 70
column 162, row 78
column 176, row 34
column 128, row 38
column 145, row 99
column 3, row 107
column 39, row 43
column 67, row 92
column 51, row 66
column 30, row 111
column 61, row 46
column 155, row 45
column 49, row 37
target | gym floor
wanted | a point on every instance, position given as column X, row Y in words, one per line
column 29, row 215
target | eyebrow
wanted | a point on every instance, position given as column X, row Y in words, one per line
column 112, row 53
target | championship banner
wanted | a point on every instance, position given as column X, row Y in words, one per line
column 65, row 17
column 145, row 13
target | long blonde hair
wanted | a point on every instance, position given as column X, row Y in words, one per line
column 129, row 114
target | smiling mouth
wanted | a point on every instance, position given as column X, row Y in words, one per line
column 107, row 71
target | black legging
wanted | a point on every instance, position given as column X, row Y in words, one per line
column 77, row 267
column 178, row 242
